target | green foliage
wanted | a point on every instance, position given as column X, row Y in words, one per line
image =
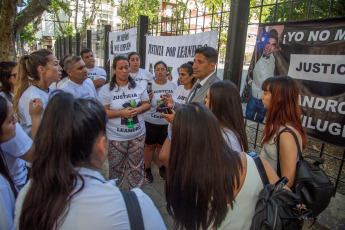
column 131, row 9
column 64, row 7
column 217, row 4
column 59, row 6
column 298, row 10
column 28, row 34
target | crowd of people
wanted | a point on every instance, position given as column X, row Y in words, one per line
column 69, row 140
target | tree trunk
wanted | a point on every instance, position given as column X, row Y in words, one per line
column 8, row 35
column 76, row 16
column 11, row 23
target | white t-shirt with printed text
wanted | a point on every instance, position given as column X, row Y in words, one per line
column 86, row 90
column 180, row 96
column 24, row 103
column 153, row 115
column 96, row 73
column 142, row 76
column 118, row 99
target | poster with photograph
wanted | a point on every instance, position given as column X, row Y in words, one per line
column 314, row 55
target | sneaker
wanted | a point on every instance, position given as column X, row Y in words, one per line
column 148, row 175
column 162, row 173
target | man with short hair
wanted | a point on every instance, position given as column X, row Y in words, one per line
column 96, row 74
column 265, row 66
column 78, row 84
column 205, row 61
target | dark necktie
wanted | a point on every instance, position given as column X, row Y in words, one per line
column 197, row 87
column 267, row 56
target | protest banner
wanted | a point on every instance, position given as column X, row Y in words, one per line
column 312, row 53
column 122, row 43
column 176, row 50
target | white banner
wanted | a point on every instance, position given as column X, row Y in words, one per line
column 122, row 43
column 176, row 50
column 322, row 68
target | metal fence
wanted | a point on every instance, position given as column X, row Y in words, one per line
column 261, row 13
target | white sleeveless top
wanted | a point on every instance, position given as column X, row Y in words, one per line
column 240, row 217
column 269, row 150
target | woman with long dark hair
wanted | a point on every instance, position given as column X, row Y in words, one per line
column 8, row 191
column 223, row 99
column 209, row 185
column 36, row 72
column 125, row 101
column 8, row 75
column 280, row 98
column 187, row 81
column 66, row 190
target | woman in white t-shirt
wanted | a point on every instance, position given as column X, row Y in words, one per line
column 156, row 125
column 66, row 190
column 187, row 81
column 140, row 75
column 223, row 99
column 36, row 73
column 125, row 101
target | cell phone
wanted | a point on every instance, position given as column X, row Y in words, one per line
column 166, row 110
column 149, row 87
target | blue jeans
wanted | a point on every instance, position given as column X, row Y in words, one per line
column 255, row 110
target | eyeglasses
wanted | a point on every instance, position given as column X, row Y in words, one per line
column 162, row 69
column 14, row 75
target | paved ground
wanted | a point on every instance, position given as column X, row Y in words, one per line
column 333, row 218
column 156, row 192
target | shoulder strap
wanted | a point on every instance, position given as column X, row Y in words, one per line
column 133, row 210
column 297, row 143
column 260, row 167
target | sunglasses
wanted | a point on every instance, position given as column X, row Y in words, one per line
column 14, row 75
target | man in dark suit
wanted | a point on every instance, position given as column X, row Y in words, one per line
column 205, row 61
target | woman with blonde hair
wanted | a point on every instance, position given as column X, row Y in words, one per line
column 36, row 72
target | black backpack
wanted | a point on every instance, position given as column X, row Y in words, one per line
column 311, row 182
column 277, row 208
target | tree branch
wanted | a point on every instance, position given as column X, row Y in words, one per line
column 35, row 8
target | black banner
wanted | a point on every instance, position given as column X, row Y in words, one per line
column 313, row 54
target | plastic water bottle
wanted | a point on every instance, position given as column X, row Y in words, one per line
column 130, row 122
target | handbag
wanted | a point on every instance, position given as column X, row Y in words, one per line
column 311, row 182
column 277, row 208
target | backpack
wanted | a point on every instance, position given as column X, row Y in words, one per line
column 311, row 182
column 277, row 208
